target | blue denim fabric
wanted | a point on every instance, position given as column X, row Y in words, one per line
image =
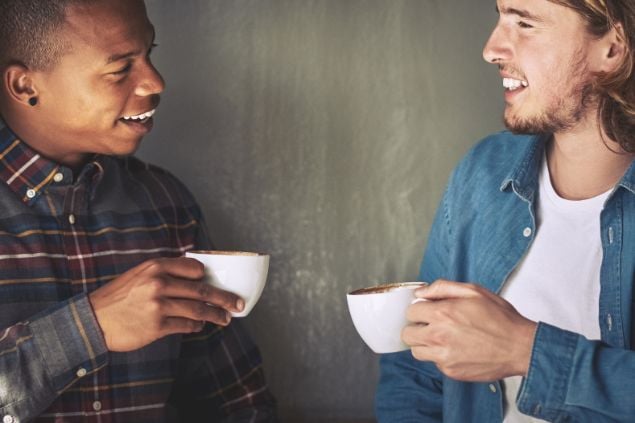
column 477, row 236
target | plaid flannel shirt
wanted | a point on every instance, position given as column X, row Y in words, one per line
column 62, row 238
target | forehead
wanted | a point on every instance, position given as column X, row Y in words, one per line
column 547, row 12
column 107, row 26
column 544, row 7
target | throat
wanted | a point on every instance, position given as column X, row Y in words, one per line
column 587, row 175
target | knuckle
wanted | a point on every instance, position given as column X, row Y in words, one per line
column 156, row 306
column 156, row 285
column 155, row 265
column 204, row 290
column 417, row 353
column 201, row 310
column 195, row 326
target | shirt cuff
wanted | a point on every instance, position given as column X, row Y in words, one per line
column 70, row 341
column 543, row 391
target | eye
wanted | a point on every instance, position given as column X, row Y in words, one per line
column 152, row 47
column 523, row 24
column 123, row 70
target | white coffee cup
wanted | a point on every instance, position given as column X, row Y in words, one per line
column 379, row 314
column 241, row 273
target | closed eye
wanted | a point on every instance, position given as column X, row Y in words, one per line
column 123, row 70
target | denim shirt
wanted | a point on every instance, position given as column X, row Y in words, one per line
column 479, row 235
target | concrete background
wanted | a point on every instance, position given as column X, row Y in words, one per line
column 323, row 133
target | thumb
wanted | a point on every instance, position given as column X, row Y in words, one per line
column 444, row 289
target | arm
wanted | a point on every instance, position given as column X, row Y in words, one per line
column 220, row 377
column 41, row 358
column 411, row 390
column 572, row 376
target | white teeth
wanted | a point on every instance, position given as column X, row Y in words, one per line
column 142, row 116
column 513, row 84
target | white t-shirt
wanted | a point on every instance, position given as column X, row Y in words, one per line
column 558, row 281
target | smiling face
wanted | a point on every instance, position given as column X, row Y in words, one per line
column 546, row 60
column 101, row 95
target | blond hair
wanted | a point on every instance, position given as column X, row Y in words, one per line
column 616, row 90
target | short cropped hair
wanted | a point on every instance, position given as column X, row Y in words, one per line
column 28, row 32
column 616, row 90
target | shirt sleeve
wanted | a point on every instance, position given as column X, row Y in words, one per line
column 42, row 357
column 220, row 371
column 410, row 390
column 221, row 378
column 572, row 378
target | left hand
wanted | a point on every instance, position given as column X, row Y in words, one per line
column 470, row 333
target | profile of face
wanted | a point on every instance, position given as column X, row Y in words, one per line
column 547, row 60
column 101, row 94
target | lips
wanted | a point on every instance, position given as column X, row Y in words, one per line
column 141, row 123
column 140, row 118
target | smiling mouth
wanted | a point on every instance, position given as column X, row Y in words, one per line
column 142, row 118
column 512, row 84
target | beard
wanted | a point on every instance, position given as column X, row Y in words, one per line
column 562, row 113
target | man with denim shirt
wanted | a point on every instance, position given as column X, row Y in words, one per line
column 532, row 251
column 101, row 318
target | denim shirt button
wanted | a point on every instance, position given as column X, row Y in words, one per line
column 492, row 387
column 527, row 232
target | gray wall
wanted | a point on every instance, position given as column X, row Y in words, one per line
column 323, row 133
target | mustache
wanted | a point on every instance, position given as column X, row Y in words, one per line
column 509, row 69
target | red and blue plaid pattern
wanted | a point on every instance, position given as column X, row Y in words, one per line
column 64, row 235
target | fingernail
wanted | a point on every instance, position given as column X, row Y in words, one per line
column 240, row 304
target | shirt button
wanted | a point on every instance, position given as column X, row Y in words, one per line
column 527, row 232
column 492, row 387
column 8, row 419
column 30, row 193
column 97, row 405
column 71, row 219
column 59, row 177
column 81, row 372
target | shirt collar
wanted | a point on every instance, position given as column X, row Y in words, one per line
column 628, row 181
column 523, row 177
column 28, row 174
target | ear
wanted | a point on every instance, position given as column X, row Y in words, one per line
column 612, row 49
column 18, row 83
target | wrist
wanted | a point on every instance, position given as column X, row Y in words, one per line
column 526, row 344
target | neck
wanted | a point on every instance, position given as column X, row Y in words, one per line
column 583, row 162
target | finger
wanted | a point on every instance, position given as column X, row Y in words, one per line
column 426, row 353
column 414, row 335
column 172, row 325
column 179, row 288
column 443, row 289
column 195, row 310
column 179, row 267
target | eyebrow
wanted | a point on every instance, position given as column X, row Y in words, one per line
column 519, row 12
column 122, row 56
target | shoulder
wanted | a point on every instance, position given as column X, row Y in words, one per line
column 495, row 157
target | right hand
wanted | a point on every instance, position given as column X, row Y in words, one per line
column 157, row 298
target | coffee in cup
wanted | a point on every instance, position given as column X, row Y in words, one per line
column 379, row 314
column 239, row 272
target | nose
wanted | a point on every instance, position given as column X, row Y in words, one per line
column 151, row 82
column 498, row 47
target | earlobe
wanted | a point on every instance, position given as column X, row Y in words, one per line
column 19, row 84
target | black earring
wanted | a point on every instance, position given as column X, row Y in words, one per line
column 33, row 101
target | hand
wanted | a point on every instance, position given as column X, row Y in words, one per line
column 470, row 333
column 157, row 298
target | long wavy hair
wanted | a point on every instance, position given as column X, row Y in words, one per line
column 616, row 90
